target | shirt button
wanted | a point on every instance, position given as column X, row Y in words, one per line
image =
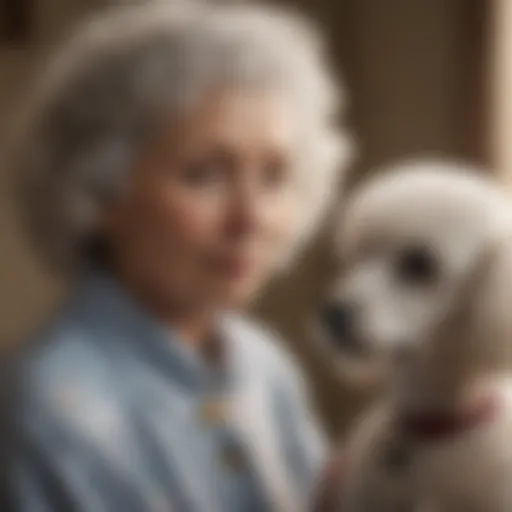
column 213, row 411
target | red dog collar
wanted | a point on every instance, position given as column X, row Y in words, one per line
column 426, row 426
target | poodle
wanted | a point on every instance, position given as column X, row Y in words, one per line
column 427, row 290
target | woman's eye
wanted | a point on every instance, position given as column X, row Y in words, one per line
column 275, row 174
column 212, row 169
column 203, row 173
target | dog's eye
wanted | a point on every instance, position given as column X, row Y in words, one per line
column 417, row 265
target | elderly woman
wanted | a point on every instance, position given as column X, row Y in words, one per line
column 175, row 158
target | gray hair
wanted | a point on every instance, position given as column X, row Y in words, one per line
column 104, row 95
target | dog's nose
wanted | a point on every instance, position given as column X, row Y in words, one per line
column 338, row 318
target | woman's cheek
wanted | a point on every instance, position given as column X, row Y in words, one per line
column 190, row 225
column 282, row 219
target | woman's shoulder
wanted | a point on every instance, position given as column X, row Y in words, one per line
column 49, row 371
column 61, row 345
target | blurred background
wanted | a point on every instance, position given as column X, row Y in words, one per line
column 424, row 77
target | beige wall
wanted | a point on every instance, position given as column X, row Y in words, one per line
column 412, row 67
column 25, row 293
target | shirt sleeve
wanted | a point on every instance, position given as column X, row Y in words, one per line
column 28, row 482
column 29, row 485
column 59, row 471
column 46, row 464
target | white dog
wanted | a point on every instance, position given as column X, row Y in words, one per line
column 428, row 287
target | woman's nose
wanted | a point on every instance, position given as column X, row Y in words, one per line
column 248, row 213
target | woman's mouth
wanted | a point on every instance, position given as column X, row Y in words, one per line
column 234, row 267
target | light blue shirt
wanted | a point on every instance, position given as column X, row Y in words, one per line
column 111, row 413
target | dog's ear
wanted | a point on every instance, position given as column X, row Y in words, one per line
column 490, row 322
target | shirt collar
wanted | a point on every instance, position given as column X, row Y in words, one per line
column 127, row 324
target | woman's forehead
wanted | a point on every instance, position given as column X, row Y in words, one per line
column 233, row 118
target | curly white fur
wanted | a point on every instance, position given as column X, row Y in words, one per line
column 448, row 340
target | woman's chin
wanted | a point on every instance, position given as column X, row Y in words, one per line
column 234, row 295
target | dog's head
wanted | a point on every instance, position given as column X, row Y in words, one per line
column 427, row 253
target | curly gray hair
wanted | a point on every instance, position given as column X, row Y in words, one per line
column 133, row 66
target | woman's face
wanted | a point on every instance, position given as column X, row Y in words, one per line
column 210, row 204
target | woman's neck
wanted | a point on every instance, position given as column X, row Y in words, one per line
column 196, row 323
column 197, row 328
